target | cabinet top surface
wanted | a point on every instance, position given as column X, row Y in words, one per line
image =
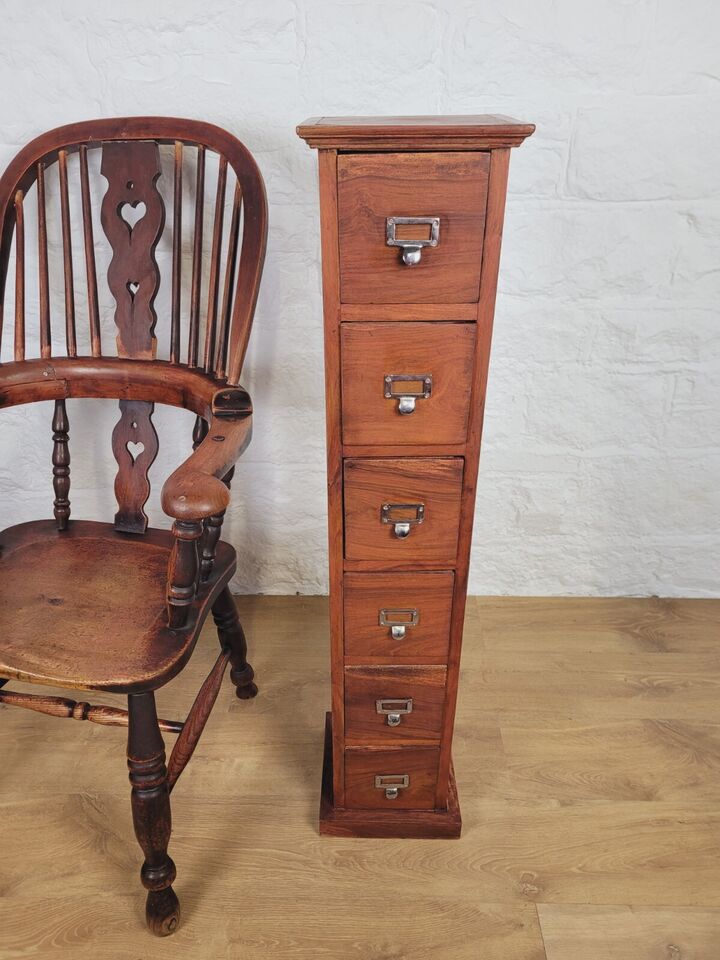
column 483, row 131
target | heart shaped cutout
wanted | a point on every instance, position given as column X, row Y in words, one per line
column 132, row 286
column 135, row 449
column 132, row 213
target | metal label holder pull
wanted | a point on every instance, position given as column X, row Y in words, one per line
column 402, row 526
column 406, row 400
column 392, row 784
column 394, row 708
column 412, row 248
column 399, row 620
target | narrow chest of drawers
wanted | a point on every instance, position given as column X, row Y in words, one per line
column 411, row 216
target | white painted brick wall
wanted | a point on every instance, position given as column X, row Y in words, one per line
column 601, row 469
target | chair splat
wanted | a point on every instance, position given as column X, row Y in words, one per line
column 135, row 446
column 132, row 170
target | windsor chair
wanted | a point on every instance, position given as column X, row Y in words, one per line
column 118, row 606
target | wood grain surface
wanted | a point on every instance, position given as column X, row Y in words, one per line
column 444, row 352
column 364, row 686
column 453, row 132
column 433, row 482
column 371, row 188
column 367, row 594
column 590, row 835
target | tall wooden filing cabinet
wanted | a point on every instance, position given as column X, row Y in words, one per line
column 411, row 213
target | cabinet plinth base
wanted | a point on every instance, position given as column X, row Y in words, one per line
column 401, row 824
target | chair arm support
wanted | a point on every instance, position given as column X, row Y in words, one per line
column 195, row 491
column 196, row 497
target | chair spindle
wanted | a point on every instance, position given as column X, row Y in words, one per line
column 200, row 431
column 230, row 269
column 19, row 350
column 183, row 571
column 214, row 283
column 211, row 536
column 68, row 709
column 70, row 338
column 176, row 256
column 196, row 720
column 61, row 465
column 195, row 291
column 43, row 276
column 93, row 310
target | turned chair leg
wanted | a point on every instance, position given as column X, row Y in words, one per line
column 151, row 812
column 231, row 635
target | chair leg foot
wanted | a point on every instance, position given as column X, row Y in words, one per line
column 231, row 634
column 245, row 689
column 162, row 911
column 150, row 801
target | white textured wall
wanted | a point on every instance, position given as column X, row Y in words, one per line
column 601, row 471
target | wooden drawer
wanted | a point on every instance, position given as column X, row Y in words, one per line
column 431, row 368
column 418, row 764
column 373, row 187
column 382, row 493
column 411, row 700
column 418, row 605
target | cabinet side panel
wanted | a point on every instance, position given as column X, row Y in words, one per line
column 331, row 312
column 495, row 212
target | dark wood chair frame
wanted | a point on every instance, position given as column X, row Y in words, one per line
column 206, row 381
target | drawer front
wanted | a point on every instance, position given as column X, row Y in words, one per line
column 417, row 767
column 403, row 510
column 405, row 616
column 394, row 703
column 406, row 382
column 450, row 188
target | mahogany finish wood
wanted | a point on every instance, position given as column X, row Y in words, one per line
column 97, row 606
column 408, row 313
column 364, row 686
column 373, row 351
column 380, row 313
column 435, row 483
column 387, row 821
column 367, row 595
column 363, row 765
column 376, row 134
column 373, row 188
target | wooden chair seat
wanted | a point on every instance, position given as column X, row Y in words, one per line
column 86, row 607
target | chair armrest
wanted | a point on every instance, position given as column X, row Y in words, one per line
column 195, row 491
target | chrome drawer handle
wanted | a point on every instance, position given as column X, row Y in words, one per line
column 406, row 399
column 404, row 525
column 394, row 709
column 412, row 247
column 399, row 620
column 392, row 784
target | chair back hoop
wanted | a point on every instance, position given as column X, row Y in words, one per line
column 210, row 332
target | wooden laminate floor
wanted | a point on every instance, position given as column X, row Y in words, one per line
column 588, row 764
